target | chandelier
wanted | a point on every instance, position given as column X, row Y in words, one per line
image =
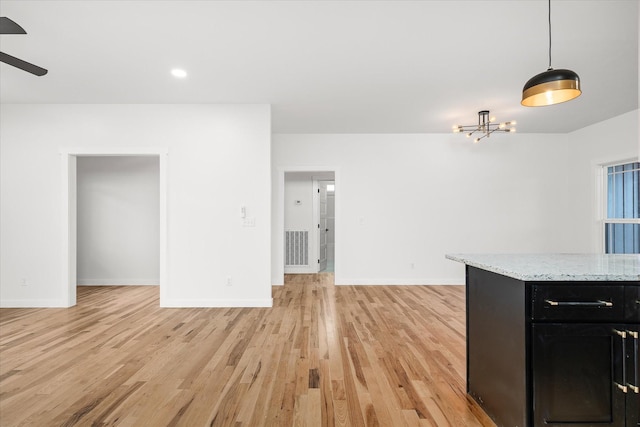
column 485, row 126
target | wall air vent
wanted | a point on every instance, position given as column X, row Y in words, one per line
column 296, row 246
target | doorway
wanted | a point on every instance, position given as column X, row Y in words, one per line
column 301, row 224
column 69, row 218
column 117, row 220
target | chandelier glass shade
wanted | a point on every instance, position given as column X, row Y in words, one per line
column 485, row 127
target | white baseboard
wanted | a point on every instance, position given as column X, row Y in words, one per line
column 399, row 282
column 118, row 282
column 215, row 303
column 387, row 282
column 33, row 303
column 301, row 270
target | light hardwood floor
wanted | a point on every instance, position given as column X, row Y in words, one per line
column 322, row 356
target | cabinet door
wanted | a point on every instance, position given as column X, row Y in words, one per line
column 632, row 304
column 633, row 376
column 576, row 369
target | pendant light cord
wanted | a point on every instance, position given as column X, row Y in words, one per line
column 550, row 35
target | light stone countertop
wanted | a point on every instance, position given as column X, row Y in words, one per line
column 557, row 267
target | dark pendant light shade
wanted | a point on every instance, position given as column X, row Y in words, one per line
column 551, row 87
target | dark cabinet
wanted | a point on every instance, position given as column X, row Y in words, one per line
column 585, row 374
column 578, row 375
column 633, row 376
column 551, row 354
column 632, row 314
column 632, row 304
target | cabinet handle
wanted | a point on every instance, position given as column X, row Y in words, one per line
column 623, row 335
column 635, row 388
column 580, row 303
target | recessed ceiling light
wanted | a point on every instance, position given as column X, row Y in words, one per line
column 178, row 73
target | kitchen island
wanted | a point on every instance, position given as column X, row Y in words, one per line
column 552, row 339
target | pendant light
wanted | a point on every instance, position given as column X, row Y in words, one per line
column 552, row 86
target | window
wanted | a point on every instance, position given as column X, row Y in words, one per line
column 622, row 219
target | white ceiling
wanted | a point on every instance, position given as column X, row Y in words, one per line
column 330, row 66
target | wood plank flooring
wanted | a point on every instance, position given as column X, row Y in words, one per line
column 322, row 356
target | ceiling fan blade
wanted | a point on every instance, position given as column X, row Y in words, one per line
column 23, row 65
column 7, row 26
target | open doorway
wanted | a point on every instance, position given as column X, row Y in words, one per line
column 118, row 220
column 69, row 184
column 308, row 222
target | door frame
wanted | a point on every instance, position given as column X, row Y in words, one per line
column 277, row 273
column 68, row 183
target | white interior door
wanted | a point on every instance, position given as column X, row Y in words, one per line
column 322, row 225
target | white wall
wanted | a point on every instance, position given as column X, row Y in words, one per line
column 298, row 187
column 218, row 160
column 118, row 229
column 404, row 201
column 613, row 140
column 331, row 225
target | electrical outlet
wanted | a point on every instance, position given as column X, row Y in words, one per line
column 23, row 282
column 229, row 281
